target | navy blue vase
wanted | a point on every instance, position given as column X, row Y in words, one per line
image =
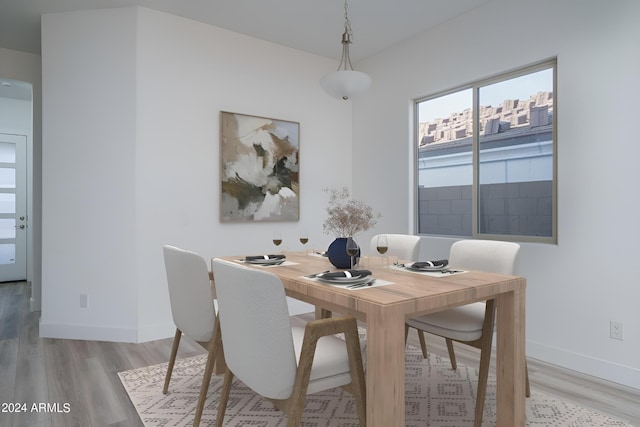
column 337, row 254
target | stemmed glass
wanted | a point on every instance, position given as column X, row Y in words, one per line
column 352, row 249
column 304, row 239
column 382, row 246
column 277, row 238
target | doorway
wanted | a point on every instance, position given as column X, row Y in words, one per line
column 16, row 181
column 13, row 207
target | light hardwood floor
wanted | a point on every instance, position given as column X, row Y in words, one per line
column 83, row 374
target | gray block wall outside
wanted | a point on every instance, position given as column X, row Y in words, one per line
column 522, row 208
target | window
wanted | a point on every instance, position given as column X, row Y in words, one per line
column 486, row 158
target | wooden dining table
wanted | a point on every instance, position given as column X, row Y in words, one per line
column 405, row 294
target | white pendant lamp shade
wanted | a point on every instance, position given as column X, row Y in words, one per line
column 344, row 84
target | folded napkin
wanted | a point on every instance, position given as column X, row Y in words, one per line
column 430, row 264
column 345, row 273
column 261, row 257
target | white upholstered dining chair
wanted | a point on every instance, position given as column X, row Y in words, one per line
column 404, row 246
column 280, row 362
column 194, row 313
column 472, row 324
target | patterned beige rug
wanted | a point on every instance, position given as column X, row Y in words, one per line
column 435, row 396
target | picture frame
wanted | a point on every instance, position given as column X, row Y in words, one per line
column 259, row 168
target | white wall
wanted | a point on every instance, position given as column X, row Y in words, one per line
column 187, row 73
column 89, row 144
column 577, row 286
column 133, row 98
column 25, row 118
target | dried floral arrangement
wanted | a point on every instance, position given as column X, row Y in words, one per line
column 347, row 217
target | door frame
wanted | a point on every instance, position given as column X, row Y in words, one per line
column 27, row 75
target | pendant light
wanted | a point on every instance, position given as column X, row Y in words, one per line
column 345, row 82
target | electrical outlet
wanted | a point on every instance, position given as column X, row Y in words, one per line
column 615, row 331
column 84, row 300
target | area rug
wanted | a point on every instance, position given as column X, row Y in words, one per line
column 436, row 396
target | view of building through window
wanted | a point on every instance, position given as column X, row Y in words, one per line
column 514, row 166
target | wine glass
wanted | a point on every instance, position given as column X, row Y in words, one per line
column 352, row 249
column 382, row 246
column 277, row 238
column 304, row 239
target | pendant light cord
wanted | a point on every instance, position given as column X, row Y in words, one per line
column 347, row 37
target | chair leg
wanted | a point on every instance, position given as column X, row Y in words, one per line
column 221, row 365
column 423, row 343
column 172, row 360
column 452, row 354
column 294, row 418
column 294, row 405
column 206, row 379
column 358, row 382
column 483, row 375
column 361, row 408
column 322, row 313
column 224, row 397
column 526, row 374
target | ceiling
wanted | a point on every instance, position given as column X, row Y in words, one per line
column 313, row 26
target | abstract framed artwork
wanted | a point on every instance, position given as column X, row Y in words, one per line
column 259, row 169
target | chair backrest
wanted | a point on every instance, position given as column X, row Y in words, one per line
column 256, row 329
column 484, row 255
column 190, row 293
column 404, row 246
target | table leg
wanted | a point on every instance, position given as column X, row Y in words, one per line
column 322, row 313
column 385, row 368
column 510, row 366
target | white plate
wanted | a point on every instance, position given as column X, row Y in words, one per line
column 345, row 280
column 426, row 269
column 266, row 261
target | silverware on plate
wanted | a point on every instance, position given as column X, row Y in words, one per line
column 311, row 276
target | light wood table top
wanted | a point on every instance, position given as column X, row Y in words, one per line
column 385, row 308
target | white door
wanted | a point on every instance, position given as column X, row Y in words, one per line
column 13, row 207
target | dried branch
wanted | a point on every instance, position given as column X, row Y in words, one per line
column 347, row 217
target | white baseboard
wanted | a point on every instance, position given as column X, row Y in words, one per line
column 144, row 334
column 602, row 369
column 86, row 332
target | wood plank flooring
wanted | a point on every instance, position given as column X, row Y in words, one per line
column 79, row 381
column 80, row 374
